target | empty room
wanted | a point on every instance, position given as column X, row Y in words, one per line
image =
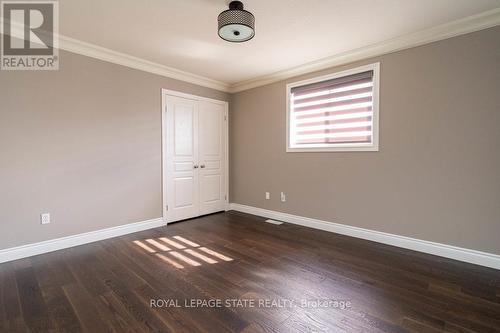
column 250, row 166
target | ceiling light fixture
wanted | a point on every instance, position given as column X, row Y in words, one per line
column 236, row 24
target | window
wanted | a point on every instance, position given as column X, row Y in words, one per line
column 337, row 112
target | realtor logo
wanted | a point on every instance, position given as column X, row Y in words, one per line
column 29, row 35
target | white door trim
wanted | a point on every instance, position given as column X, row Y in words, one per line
column 164, row 94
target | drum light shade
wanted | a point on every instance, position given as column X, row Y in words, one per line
column 236, row 24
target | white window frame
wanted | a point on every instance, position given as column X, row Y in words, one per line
column 340, row 147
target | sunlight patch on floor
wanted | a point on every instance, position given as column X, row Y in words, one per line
column 144, row 246
column 201, row 256
column 172, row 243
column 184, row 258
column 181, row 255
column 157, row 244
column 170, row 261
column 187, row 241
column 215, row 254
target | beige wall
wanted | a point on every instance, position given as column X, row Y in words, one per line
column 83, row 143
column 437, row 174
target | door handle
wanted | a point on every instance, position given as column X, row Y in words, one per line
column 195, row 167
column 202, row 166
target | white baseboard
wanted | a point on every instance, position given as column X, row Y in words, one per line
column 29, row 250
column 442, row 250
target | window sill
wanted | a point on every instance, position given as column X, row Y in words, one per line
column 332, row 149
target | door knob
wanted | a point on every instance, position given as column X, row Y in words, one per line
column 195, row 167
column 202, row 166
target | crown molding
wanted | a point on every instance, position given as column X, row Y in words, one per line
column 102, row 53
column 459, row 27
column 98, row 52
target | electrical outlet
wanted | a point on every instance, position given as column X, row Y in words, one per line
column 268, row 195
column 283, row 197
column 45, row 218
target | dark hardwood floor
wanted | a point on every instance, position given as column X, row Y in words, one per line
column 300, row 280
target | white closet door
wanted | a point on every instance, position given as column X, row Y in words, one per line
column 182, row 183
column 211, row 157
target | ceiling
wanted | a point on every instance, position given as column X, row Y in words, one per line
column 183, row 33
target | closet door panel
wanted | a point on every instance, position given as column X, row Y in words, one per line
column 211, row 157
column 182, row 158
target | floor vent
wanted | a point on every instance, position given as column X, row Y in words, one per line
column 274, row 222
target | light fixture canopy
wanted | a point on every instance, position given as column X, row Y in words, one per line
column 236, row 24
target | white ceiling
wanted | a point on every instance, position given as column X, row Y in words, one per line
column 183, row 33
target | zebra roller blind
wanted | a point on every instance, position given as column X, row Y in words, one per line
column 337, row 112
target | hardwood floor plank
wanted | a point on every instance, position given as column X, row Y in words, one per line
column 52, row 277
column 88, row 271
column 3, row 313
column 13, row 318
column 138, row 309
column 172, row 317
column 121, row 314
column 34, row 308
column 84, row 306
